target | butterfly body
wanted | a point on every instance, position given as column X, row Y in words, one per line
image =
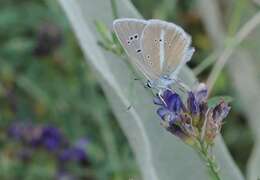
column 157, row 48
column 163, row 82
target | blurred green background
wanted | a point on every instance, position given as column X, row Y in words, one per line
column 45, row 81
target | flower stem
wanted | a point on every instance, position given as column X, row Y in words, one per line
column 114, row 9
column 209, row 159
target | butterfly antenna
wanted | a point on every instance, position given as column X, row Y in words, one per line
column 161, row 98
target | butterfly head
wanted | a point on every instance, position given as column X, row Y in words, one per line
column 148, row 84
column 159, row 84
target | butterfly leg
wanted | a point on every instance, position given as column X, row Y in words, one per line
column 129, row 107
column 132, row 91
column 183, row 87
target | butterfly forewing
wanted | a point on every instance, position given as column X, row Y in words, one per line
column 129, row 32
column 165, row 47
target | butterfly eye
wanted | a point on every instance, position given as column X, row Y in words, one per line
column 148, row 84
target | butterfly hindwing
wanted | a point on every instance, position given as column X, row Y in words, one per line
column 165, row 47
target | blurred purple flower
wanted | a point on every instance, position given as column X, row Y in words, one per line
column 51, row 138
column 15, row 131
column 49, row 38
column 19, row 130
column 82, row 143
column 25, row 154
column 74, row 154
column 12, row 99
column 64, row 175
column 37, row 135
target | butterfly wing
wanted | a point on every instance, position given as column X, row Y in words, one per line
column 129, row 33
column 166, row 47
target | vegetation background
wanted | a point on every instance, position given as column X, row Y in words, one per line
column 44, row 81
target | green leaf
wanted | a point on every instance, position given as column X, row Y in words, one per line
column 160, row 155
column 242, row 66
column 104, row 31
column 214, row 101
column 108, row 39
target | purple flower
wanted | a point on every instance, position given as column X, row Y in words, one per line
column 214, row 120
column 192, row 103
column 197, row 99
column 221, row 111
column 171, row 106
column 177, row 131
column 186, row 121
column 174, row 115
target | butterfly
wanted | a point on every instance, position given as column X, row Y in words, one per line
column 157, row 48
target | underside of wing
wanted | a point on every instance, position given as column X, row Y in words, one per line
column 129, row 33
column 165, row 47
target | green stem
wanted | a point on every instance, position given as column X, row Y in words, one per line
column 208, row 61
column 209, row 160
column 114, row 9
column 232, row 28
column 236, row 16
